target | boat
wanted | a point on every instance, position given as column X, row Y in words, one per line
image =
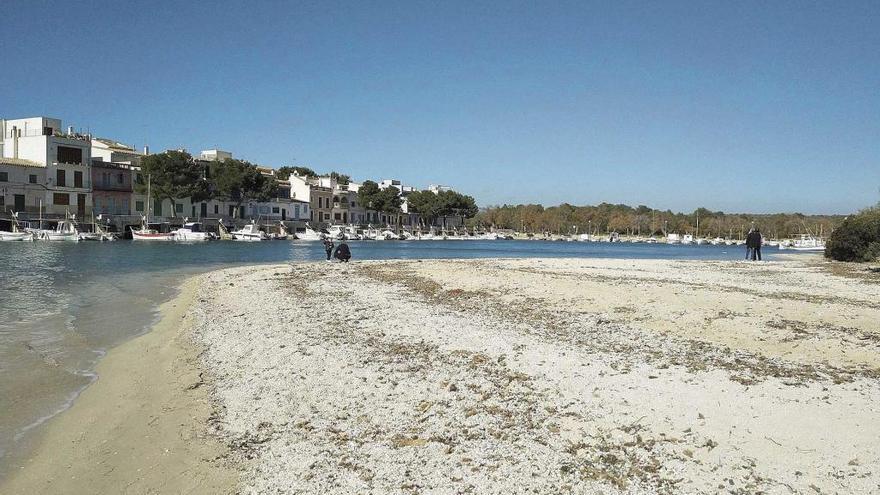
column 687, row 239
column 282, row 234
column 389, row 235
column 192, row 231
column 336, row 232
column 806, row 242
column 65, row 230
column 98, row 233
column 145, row 233
column 224, row 233
column 585, row 238
column 718, row 241
column 250, row 232
column 673, row 239
column 16, row 233
column 310, row 234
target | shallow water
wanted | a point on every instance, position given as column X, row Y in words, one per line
column 62, row 305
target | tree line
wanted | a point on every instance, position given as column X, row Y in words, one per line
column 175, row 174
column 624, row 219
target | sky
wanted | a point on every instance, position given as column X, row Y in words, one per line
column 733, row 106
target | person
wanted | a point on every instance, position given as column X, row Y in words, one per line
column 328, row 247
column 756, row 245
column 750, row 244
column 343, row 254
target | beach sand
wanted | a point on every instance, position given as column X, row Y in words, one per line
column 491, row 376
column 141, row 428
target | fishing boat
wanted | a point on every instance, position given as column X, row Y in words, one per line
column 282, row 234
column 65, row 230
column 806, row 242
column 98, row 232
column 336, row 232
column 16, row 233
column 687, row 239
column 389, row 235
column 673, row 239
column 310, row 234
column 145, row 233
column 224, row 233
column 192, row 231
column 250, row 232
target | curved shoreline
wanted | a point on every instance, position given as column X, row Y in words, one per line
column 142, row 426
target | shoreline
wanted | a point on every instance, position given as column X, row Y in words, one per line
column 571, row 375
column 141, row 426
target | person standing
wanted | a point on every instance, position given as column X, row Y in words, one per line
column 756, row 248
column 328, row 247
column 750, row 245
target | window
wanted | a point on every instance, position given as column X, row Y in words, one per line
column 178, row 207
column 4, row 176
column 337, row 216
column 276, row 209
column 139, row 206
column 2, row 200
column 61, row 199
column 193, row 211
column 69, row 155
column 77, row 179
column 264, row 210
column 47, row 131
column 60, row 178
column 32, row 178
column 216, row 209
column 120, row 179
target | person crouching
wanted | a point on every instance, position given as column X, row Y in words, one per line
column 343, row 253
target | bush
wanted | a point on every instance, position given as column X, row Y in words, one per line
column 857, row 239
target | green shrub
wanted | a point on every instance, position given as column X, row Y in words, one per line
column 857, row 239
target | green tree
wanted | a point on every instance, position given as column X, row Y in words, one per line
column 173, row 175
column 284, row 172
column 368, row 194
column 341, row 179
column 239, row 181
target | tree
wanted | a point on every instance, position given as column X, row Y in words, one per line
column 173, row 175
column 239, row 181
column 340, row 179
column 857, row 238
column 284, row 172
column 367, row 194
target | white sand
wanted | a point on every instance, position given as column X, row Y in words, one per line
column 548, row 376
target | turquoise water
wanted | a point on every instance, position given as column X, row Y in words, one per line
column 64, row 304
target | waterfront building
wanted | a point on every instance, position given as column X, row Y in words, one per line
column 22, row 186
column 66, row 158
column 317, row 192
column 111, row 188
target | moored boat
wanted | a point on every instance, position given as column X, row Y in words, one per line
column 192, row 231
column 250, row 232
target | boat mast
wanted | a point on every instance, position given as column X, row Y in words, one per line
column 147, row 216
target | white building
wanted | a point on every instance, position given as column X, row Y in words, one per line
column 215, row 155
column 65, row 157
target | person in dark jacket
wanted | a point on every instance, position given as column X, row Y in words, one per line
column 750, row 245
column 328, row 247
column 343, row 254
column 756, row 245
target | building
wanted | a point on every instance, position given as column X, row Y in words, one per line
column 66, row 158
column 22, row 186
column 317, row 192
column 111, row 188
column 214, row 155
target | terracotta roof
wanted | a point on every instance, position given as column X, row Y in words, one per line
column 20, row 162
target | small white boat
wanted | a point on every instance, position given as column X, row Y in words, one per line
column 805, row 242
column 717, row 241
column 310, row 234
column 16, row 234
column 702, row 241
column 687, row 239
column 145, row 233
column 192, row 231
column 336, row 232
column 673, row 239
column 389, row 235
column 250, row 232
column 651, row 240
column 65, row 231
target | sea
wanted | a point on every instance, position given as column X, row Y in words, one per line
column 63, row 305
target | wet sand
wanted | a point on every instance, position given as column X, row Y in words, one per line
column 141, row 428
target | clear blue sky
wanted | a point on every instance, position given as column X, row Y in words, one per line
column 737, row 106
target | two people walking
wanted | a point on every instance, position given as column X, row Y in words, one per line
column 343, row 253
column 753, row 245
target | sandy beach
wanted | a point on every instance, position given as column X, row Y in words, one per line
column 488, row 376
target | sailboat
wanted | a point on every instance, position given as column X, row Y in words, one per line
column 16, row 234
column 145, row 233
